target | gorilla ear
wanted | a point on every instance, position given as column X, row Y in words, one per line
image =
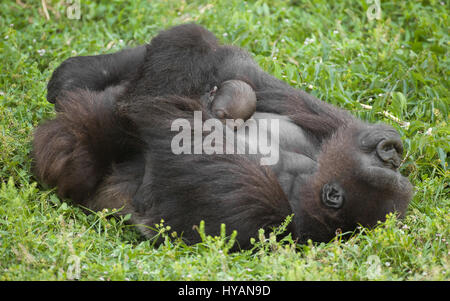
column 333, row 195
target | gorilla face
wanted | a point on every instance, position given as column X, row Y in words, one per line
column 358, row 182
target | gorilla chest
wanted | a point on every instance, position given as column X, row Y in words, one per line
column 292, row 152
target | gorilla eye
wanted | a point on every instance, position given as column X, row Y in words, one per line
column 333, row 195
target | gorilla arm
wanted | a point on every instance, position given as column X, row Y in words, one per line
column 95, row 73
column 187, row 60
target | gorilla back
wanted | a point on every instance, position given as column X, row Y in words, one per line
column 110, row 147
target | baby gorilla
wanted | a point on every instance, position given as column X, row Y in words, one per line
column 235, row 99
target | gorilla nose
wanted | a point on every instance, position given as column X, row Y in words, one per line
column 390, row 152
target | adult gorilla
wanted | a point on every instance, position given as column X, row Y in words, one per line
column 110, row 146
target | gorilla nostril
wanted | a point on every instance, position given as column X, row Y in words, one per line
column 389, row 151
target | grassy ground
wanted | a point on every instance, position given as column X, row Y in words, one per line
column 399, row 64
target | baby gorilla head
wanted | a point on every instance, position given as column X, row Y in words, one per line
column 235, row 99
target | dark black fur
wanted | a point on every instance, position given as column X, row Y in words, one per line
column 109, row 146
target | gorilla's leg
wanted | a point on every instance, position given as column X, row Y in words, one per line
column 75, row 150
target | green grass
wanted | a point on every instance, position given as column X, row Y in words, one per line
column 399, row 64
